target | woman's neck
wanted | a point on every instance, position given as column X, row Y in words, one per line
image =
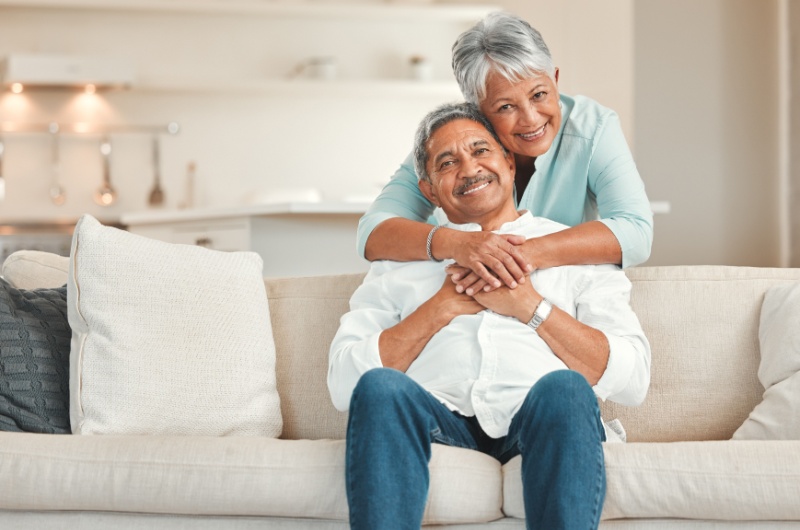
column 526, row 166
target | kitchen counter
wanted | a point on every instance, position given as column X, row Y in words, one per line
column 283, row 208
column 293, row 238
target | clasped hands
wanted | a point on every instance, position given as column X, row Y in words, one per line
column 518, row 303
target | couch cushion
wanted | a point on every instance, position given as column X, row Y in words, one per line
column 725, row 480
column 32, row 269
column 168, row 339
column 305, row 316
column 702, row 323
column 777, row 417
column 34, row 360
column 221, row 476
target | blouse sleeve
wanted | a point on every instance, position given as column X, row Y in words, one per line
column 399, row 198
column 622, row 203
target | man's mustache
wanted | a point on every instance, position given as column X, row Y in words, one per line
column 471, row 181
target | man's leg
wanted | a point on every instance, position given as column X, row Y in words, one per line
column 392, row 423
column 558, row 431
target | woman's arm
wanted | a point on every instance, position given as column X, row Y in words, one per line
column 394, row 228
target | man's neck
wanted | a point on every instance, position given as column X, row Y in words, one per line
column 494, row 221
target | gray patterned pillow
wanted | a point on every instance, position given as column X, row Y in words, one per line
column 34, row 360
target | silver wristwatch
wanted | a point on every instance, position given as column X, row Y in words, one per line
column 540, row 314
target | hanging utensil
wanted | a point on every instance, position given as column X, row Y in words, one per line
column 105, row 194
column 57, row 194
column 156, row 194
column 2, row 180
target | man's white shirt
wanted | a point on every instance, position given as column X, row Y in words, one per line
column 484, row 364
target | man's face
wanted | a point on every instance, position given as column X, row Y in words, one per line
column 472, row 178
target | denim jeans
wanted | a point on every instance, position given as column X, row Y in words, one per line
column 393, row 422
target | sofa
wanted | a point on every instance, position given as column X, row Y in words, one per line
column 679, row 468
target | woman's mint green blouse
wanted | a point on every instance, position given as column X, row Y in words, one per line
column 588, row 173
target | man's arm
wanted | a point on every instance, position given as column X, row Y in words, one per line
column 581, row 347
column 401, row 344
column 372, row 335
column 605, row 343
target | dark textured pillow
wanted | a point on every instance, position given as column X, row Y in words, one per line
column 34, row 360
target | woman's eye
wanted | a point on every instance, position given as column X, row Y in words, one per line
column 539, row 95
column 504, row 108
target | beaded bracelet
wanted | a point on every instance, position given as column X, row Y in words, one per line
column 428, row 243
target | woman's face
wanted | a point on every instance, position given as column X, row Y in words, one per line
column 525, row 114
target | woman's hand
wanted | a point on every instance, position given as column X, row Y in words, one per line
column 491, row 259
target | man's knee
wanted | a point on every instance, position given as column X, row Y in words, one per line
column 560, row 398
column 381, row 387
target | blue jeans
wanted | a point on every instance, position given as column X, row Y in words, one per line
column 393, row 422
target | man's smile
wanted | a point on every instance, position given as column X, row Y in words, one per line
column 474, row 184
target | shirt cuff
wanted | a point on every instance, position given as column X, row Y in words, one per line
column 619, row 370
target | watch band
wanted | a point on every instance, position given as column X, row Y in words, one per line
column 540, row 314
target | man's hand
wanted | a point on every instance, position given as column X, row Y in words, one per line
column 493, row 259
column 519, row 303
column 447, row 303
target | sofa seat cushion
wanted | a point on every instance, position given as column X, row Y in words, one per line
column 248, row 476
column 724, row 480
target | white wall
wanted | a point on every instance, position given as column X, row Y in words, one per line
column 242, row 141
column 706, row 121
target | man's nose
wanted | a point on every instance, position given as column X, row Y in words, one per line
column 470, row 167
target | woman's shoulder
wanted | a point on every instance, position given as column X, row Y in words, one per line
column 584, row 117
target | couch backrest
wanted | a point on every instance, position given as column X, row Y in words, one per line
column 702, row 322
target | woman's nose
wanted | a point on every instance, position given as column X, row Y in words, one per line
column 529, row 115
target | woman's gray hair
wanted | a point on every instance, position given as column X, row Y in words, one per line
column 436, row 119
column 501, row 42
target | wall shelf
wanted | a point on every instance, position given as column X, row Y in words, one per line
column 286, row 8
column 303, row 87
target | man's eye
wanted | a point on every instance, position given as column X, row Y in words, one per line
column 446, row 163
column 481, row 150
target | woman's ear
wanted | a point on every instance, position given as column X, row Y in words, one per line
column 427, row 190
column 555, row 77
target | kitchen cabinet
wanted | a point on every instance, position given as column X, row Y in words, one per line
column 293, row 239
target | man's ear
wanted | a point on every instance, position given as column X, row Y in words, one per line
column 427, row 190
column 512, row 162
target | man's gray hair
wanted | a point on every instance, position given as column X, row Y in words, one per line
column 501, row 42
column 436, row 119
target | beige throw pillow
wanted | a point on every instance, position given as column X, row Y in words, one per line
column 777, row 417
column 168, row 339
column 34, row 269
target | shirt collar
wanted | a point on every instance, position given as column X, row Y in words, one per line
column 524, row 218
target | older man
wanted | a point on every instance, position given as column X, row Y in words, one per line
column 507, row 372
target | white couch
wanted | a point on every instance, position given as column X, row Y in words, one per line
column 678, row 470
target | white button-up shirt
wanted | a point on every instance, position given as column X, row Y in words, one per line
column 484, row 364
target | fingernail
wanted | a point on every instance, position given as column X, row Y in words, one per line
column 486, row 288
column 469, row 292
column 459, row 289
column 522, row 280
column 513, row 285
column 496, row 284
column 530, row 268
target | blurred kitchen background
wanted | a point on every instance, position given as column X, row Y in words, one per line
column 270, row 124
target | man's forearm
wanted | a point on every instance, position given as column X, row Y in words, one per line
column 401, row 344
column 581, row 347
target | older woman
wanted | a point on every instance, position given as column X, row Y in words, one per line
column 573, row 166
